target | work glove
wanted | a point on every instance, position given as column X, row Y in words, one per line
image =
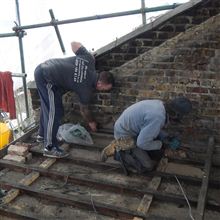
column 169, row 141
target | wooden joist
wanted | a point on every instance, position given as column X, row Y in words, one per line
column 80, row 201
column 105, row 183
column 205, row 181
column 154, row 184
column 27, row 180
column 16, row 214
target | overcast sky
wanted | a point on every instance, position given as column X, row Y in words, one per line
column 41, row 44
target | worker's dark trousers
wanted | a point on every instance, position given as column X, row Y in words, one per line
column 51, row 110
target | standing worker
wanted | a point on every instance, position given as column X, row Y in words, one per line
column 57, row 76
column 138, row 131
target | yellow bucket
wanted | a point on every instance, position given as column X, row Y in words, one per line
column 4, row 135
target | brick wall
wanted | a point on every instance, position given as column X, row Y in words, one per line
column 188, row 64
column 143, row 42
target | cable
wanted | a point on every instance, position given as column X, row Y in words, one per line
column 93, row 205
column 184, row 194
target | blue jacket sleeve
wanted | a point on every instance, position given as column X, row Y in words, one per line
column 146, row 138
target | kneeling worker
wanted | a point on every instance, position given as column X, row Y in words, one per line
column 138, row 133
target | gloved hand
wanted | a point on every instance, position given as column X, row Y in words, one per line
column 174, row 143
column 93, row 126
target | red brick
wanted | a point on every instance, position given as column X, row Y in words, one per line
column 28, row 145
column 197, row 89
column 15, row 158
column 18, row 150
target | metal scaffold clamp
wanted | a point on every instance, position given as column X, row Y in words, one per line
column 19, row 32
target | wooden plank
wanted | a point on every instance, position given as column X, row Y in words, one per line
column 184, row 170
column 81, row 179
column 100, row 165
column 47, row 163
column 205, row 181
column 79, row 201
column 105, row 183
column 76, row 201
column 11, row 194
column 147, row 199
column 30, row 178
column 13, row 213
column 27, row 180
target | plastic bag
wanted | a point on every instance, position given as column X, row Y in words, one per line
column 74, row 133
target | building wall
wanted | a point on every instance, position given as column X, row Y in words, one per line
column 187, row 64
column 155, row 36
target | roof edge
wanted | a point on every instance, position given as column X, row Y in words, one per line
column 147, row 27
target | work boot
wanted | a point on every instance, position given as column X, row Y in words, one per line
column 120, row 144
column 108, row 151
column 125, row 143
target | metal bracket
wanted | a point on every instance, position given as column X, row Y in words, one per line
column 19, row 32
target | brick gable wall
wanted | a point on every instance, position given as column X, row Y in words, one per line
column 187, row 64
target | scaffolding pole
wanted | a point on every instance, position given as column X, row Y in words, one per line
column 143, row 13
column 19, row 30
column 57, row 31
column 8, row 35
column 20, row 34
column 96, row 17
column 19, row 75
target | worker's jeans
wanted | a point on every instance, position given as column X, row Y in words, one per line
column 139, row 160
column 51, row 108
